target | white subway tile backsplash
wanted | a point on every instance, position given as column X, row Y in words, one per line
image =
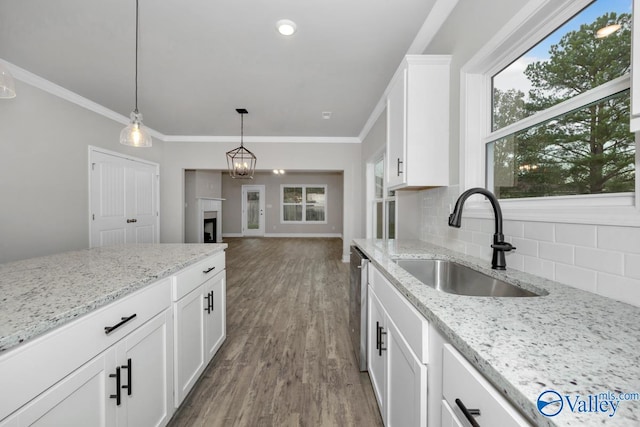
column 597, row 259
column 525, row 246
column 600, row 259
column 539, row 267
column 622, row 239
column 576, row 276
column 513, row 228
column 620, row 288
column 539, row 231
column 576, row 234
column 556, row 252
column 632, row 266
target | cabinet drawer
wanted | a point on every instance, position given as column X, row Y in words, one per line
column 462, row 381
column 191, row 277
column 414, row 327
column 29, row 369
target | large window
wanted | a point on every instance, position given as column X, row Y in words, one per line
column 560, row 112
column 304, row 204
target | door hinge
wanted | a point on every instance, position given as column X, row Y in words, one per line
column 93, row 217
column 93, row 166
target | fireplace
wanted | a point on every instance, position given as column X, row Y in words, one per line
column 210, row 229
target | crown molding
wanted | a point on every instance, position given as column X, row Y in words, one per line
column 56, row 90
column 264, row 139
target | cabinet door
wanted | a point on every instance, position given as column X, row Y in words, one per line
column 376, row 353
column 449, row 418
column 396, row 131
column 406, row 382
column 189, row 341
column 81, row 399
column 215, row 314
column 146, row 368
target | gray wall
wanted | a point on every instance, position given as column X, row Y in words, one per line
column 44, row 174
column 232, row 206
column 308, row 157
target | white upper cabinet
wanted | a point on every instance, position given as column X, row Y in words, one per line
column 418, row 123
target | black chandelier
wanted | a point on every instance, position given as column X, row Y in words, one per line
column 240, row 161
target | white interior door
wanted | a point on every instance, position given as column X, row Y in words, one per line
column 253, row 210
column 123, row 199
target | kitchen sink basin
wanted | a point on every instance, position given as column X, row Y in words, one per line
column 454, row 278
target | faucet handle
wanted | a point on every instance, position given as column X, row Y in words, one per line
column 503, row 246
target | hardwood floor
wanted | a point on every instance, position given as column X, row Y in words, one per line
column 287, row 359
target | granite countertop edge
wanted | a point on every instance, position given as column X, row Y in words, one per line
column 182, row 256
column 481, row 348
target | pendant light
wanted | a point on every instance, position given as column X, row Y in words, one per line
column 136, row 135
column 240, row 161
column 7, row 86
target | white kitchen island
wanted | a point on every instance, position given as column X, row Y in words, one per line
column 89, row 337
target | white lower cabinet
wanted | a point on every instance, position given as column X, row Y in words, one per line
column 200, row 321
column 464, row 387
column 128, row 384
column 398, row 374
column 127, row 364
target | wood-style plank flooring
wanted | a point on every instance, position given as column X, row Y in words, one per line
column 287, row 359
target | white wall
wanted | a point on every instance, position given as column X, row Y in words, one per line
column 44, row 195
column 179, row 156
column 232, row 206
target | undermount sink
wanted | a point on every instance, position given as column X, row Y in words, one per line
column 454, row 278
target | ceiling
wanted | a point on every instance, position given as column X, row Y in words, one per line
column 199, row 60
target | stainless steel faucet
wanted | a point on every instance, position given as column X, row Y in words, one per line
column 499, row 246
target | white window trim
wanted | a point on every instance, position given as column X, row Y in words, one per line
column 304, row 203
column 530, row 25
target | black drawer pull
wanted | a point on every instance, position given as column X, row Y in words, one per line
column 399, row 163
column 128, row 368
column 109, row 329
column 117, row 395
column 468, row 413
column 209, row 270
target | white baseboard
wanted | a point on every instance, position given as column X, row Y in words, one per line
column 308, row 235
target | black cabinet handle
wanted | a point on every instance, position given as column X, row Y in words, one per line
column 128, row 368
column 212, row 296
column 117, row 395
column 109, row 329
column 468, row 413
column 399, row 163
column 379, row 339
column 208, row 307
column 209, row 270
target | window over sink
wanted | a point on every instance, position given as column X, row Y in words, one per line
column 554, row 135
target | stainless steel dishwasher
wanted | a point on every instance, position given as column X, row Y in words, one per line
column 358, row 305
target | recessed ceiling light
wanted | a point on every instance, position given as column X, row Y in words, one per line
column 326, row 115
column 286, row 27
column 278, row 171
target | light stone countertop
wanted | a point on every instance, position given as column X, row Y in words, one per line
column 570, row 341
column 40, row 294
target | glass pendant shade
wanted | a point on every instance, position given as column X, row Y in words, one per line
column 135, row 135
column 7, row 86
